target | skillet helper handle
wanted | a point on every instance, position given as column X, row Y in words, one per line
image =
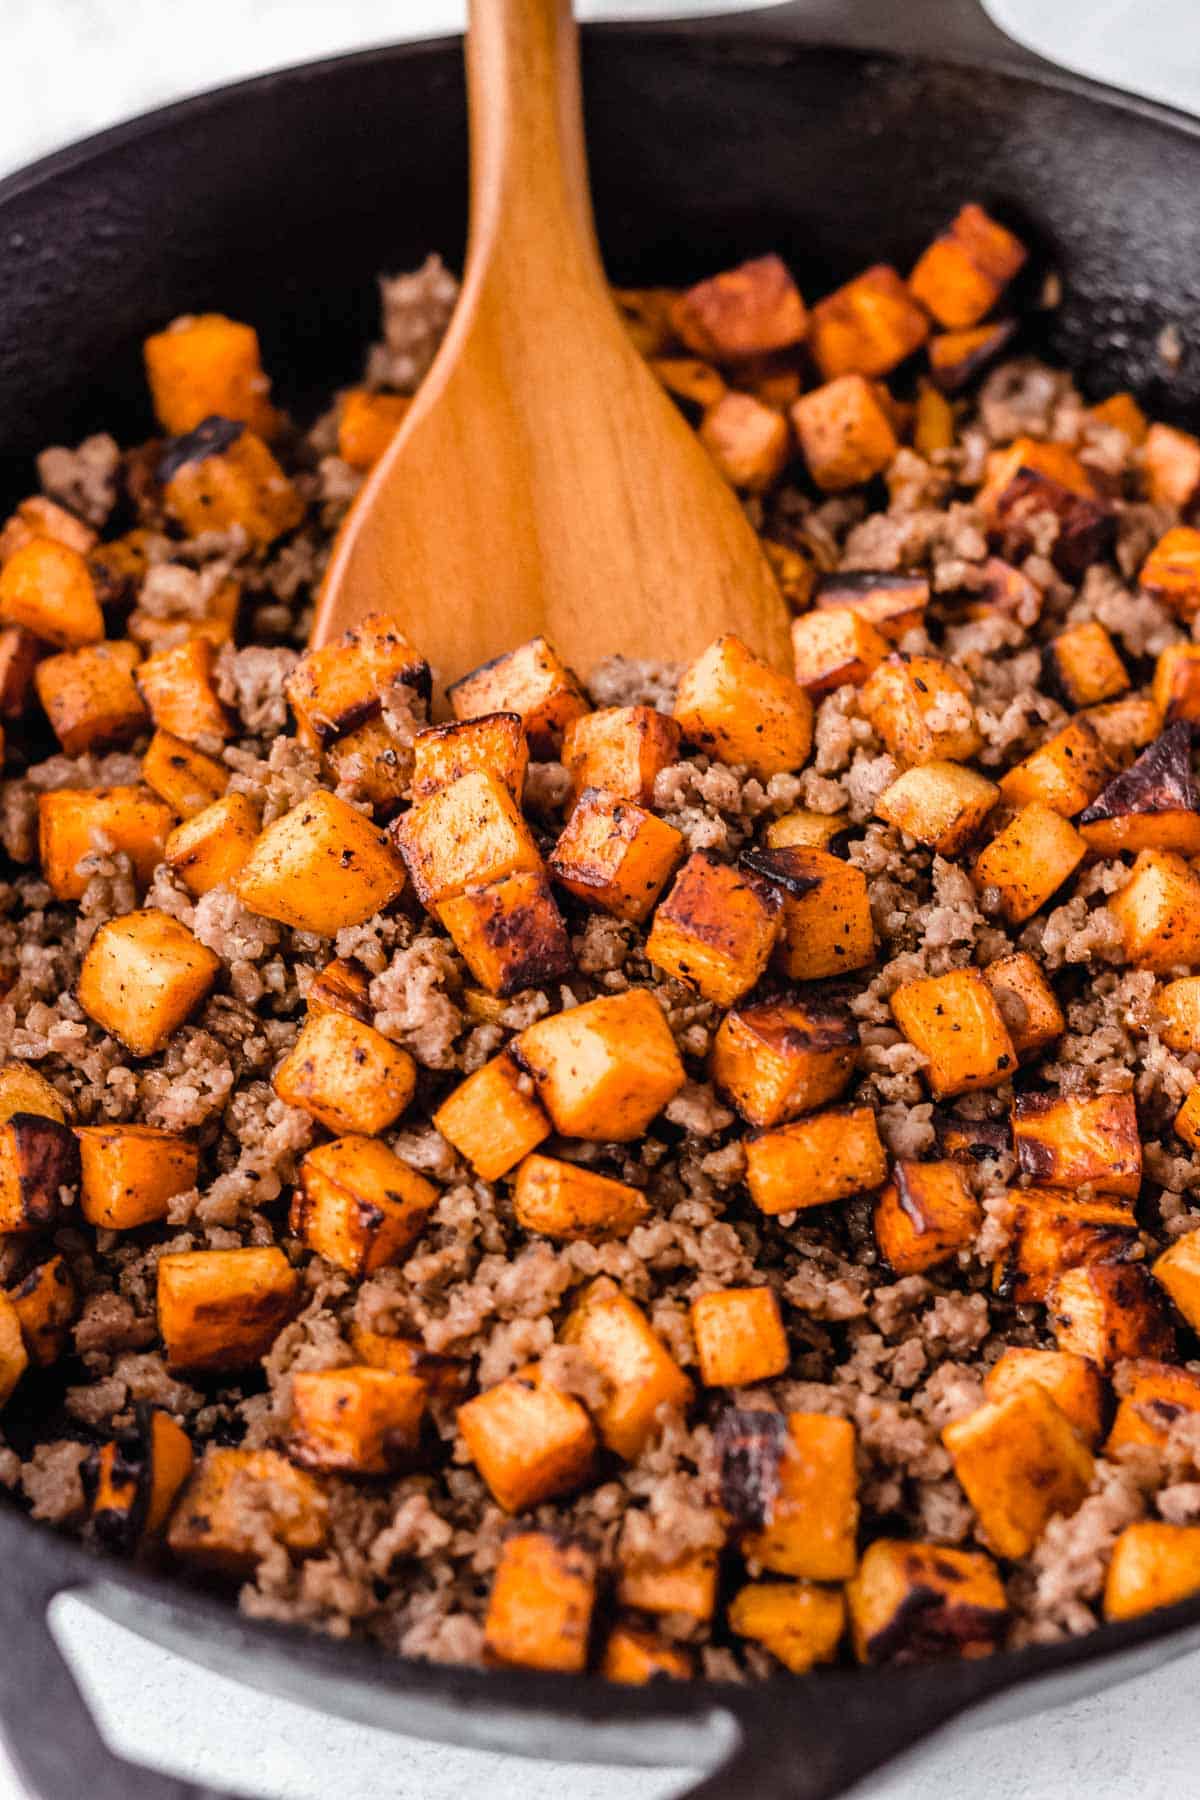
column 942, row 30
column 45, row 1723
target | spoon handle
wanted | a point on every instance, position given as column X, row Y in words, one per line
column 529, row 184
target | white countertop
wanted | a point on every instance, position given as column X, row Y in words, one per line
column 71, row 66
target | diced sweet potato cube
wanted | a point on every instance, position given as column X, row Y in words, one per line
column 814, row 1161
column 443, row 753
column 1028, row 861
column 800, row 1623
column 38, row 1158
column 509, row 932
column 346, row 1075
column 957, row 358
column 129, row 1174
column 954, row 1021
column 603, row 1070
column 1084, row 665
column 90, row 696
column 1153, row 1564
column 749, row 442
column 620, row 750
column 687, row 1587
column 1110, row 1311
column 367, row 423
column 1176, row 689
column 142, row 976
column 916, row 1602
column 716, row 928
column 1171, row 466
column 633, row 1657
column 1126, row 726
column 565, row 1201
column 223, row 1309
column 782, row 1058
column 1019, row 1461
column 1069, row 1140
column 924, row 1215
column 1158, row 911
column 491, row 1120
column 182, row 776
column 342, row 986
column 371, row 763
column 1187, row 1120
column 203, row 364
column 24, row 1090
column 73, row 822
column 844, row 432
column 794, row 572
column 320, row 867
column 1051, row 1232
column 835, row 648
column 1177, row 1013
column 222, row 477
column 355, row 1421
column 1155, row 805
column 1178, row 1271
column 737, row 708
column 1066, row 773
column 39, row 517
column 691, row 380
column 531, row 681
column 20, row 653
column 238, row 1497
column 137, row 1478
column 1002, row 591
column 178, row 687
column 466, row 834
column 1155, row 1395
column 539, row 1613
column 965, row 270
column 445, row 1376
column 739, row 1336
column 933, row 427
column 529, row 1441
column 1053, row 464
column 808, row 1522
column 213, row 847
column 640, row 1373
column 45, row 1302
column 893, row 603
column 972, row 1140
column 741, row 312
column 805, row 829
column 827, row 927
column 942, row 804
column 1085, row 526
column 1073, row 1383
column 47, row 588
column 615, row 855
column 14, row 1358
column 921, row 708
column 337, row 689
column 867, row 326
column 358, row 1205
column 1121, row 412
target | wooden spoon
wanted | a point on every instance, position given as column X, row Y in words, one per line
column 542, row 483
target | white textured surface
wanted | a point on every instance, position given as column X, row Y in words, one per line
column 71, row 66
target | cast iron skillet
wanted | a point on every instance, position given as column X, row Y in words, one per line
column 840, row 132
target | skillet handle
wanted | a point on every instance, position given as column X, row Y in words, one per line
column 45, row 1722
column 943, row 30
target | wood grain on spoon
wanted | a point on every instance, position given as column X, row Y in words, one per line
column 542, row 482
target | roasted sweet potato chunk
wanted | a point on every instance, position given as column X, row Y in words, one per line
column 916, row 1602
column 833, row 648
column 143, row 974
column 1187, row 1120
column 739, row 1336
column 799, row 1511
column 1028, row 861
column 867, row 326
column 136, row 1478
column 640, row 1373
column 716, row 928
column 826, row 1157
column 1066, row 773
column 563, row 1200
column 1019, row 1461
column 741, row 312
column 90, row 696
column 1155, row 1395
column 336, row 690
column 179, row 688
column 826, row 923
column 942, row 804
column 782, row 1058
column 1158, row 911
column 615, row 855
column 223, row 1309
column 20, row 653
column 1072, row 1382
column 346, row 1075
column 185, row 778
column 355, row 1421
column 14, row 1358
column 894, row 603
column 1177, row 1013
column 933, row 426
column 529, row 1441
column 1178, row 1271
column 733, row 705
column 342, row 986
column 1155, row 805
column 129, row 1174
column 749, row 441
column 967, row 267
column 46, row 1302
column 1083, row 664
column 1121, row 412
column 1126, row 726
column 921, row 708
column 955, row 1022
column 1176, row 691
column 320, row 867
column 956, row 358
column 47, row 589
column 1069, row 1140
column 203, row 364
column 238, row 1497
column 633, row 1657
column 367, row 423
column 1153, row 1564
column 73, row 822
column 358, row 1205
column 1028, row 1003
column 924, row 1215
column 844, row 432
column 691, row 381
column 1171, row 572
column 800, row 1623
column 221, row 477
column 468, row 833
column 443, row 753
column 687, row 1588
column 24, row 1090
column 509, row 932
column 1171, row 466
column 531, row 681
column 805, row 829
column 491, row 1119
column 603, row 1070
column 539, row 1613
column 39, row 517
column 1110, row 1311
column 1051, row 1232
column 1034, row 479
column 213, row 847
